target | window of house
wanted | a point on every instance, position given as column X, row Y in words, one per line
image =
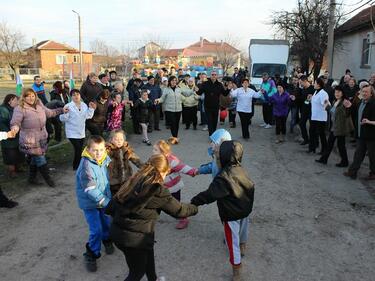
column 61, row 59
column 75, row 58
column 365, row 61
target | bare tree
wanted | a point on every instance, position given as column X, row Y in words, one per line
column 227, row 53
column 307, row 29
column 105, row 54
column 128, row 53
column 152, row 50
column 11, row 45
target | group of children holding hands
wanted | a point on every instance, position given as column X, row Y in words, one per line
column 106, row 187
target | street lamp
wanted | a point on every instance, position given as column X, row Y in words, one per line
column 80, row 45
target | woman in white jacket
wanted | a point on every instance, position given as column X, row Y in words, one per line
column 75, row 114
column 244, row 96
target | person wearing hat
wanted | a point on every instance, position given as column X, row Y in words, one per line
column 154, row 93
column 104, row 82
column 112, row 78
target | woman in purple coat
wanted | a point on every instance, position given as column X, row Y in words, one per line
column 281, row 101
column 29, row 118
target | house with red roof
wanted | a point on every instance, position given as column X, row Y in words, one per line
column 355, row 46
column 203, row 52
column 55, row 59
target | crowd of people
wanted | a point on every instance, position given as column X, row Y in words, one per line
column 106, row 184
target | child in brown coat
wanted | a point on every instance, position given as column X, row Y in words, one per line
column 121, row 155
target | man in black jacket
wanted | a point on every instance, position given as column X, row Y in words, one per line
column 306, row 94
column 237, row 77
column 366, row 134
column 234, row 192
column 212, row 89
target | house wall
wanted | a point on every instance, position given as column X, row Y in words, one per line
column 50, row 67
column 348, row 55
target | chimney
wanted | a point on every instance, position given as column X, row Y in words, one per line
column 221, row 43
column 33, row 42
column 201, row 39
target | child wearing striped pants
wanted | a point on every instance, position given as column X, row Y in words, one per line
column 233, row 190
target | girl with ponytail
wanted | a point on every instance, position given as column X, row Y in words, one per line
column 136, row 208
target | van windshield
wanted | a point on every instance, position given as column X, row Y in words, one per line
column 270, row 68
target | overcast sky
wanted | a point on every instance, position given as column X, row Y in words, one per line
column 125, row 22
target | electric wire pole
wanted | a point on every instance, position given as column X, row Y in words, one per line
column 80, row 46
column 331, row 33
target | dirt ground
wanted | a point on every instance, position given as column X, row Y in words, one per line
column 309, row 222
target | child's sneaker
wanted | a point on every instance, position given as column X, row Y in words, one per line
column 108, row 246
column 148, row 142
column 242, row 249
column 236, row 273
column 268, row 126
column 182, row 224
column 90, row 259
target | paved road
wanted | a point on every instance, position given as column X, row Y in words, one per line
column 308, row 223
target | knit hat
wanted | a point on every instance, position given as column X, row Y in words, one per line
column 164, row 79
column 220, row 135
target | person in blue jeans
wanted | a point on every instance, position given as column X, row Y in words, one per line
column 93, row 195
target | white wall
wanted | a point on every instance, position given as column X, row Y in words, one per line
column 348, row 54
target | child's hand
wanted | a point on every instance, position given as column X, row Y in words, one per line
column 11, row 134
column 92, row 105
column 65, row 109
column 292, row 97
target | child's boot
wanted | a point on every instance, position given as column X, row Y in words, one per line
column 236, row 273
column 243, row 249
column 90, row 259
column 183, row 223
column 45, row 174
column 108, row 246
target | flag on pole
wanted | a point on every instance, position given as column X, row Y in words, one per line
column 71, row 81
column 19, row 85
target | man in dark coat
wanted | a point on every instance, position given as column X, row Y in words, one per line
column 366, row 134
column 212, row 89
column 90, row 89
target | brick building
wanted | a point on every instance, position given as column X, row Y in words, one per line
column 56, row 59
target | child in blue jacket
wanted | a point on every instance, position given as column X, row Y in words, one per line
column 93, row 195
column 216, row 138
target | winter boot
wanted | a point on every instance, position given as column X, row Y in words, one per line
column 236, row 273
column 109, row 248
column 242, row 249
column 90, row 259
column 45, row 174
column 33, row 170
column 5, row 202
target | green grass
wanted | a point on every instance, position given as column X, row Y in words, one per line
column 9, row 87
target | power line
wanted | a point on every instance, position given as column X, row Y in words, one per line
column 351, row 5
column 352, row 11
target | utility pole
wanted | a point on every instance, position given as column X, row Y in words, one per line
column 80, row 45
column 331, row 30
column 287, row 22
